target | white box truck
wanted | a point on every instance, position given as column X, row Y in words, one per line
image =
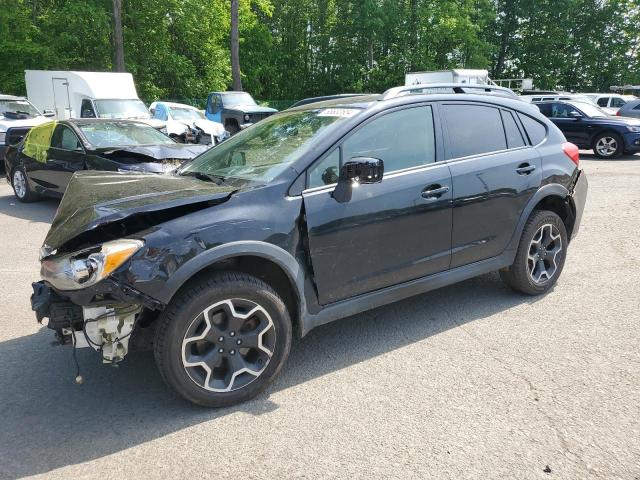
column 87, row 95
column 458, row 75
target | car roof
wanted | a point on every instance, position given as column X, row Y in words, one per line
column 376, row 101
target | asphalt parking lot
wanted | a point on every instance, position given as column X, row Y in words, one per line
column 470, row 381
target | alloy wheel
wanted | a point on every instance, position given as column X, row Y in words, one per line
column 544, row 249
column 228, row 345
column 19, row 184
column 607, row 146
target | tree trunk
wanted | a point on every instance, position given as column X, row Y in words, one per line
column 235, row 47
column 118, row 43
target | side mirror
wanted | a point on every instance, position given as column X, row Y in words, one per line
column 575, row 115
column 48, row 113
column 357, row 171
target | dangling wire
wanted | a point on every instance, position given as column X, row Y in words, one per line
column 79, row 379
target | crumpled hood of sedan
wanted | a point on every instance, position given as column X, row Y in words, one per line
column 94, row 200
column 159, row 152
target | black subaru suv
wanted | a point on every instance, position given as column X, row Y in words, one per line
column 313, row 214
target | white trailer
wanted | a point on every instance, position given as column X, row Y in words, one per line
column 87, row 95
column 458, row 75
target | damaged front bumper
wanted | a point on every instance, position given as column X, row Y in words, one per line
column 102, row 317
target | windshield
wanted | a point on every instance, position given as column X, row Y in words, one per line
column 18, row 106
column 231, row 99
column 590, row 110
column 121, row 109
column 266, row 149
column 178, row 113
column 121, row 134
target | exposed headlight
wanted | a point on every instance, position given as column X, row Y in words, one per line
column 3, row 136
column 247, row 117
column 634, row 129
column 86, row 268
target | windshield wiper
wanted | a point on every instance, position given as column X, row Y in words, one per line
column 209, row 177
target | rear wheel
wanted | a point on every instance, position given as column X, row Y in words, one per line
column 21, row 187
column 541, row 254
column 223, row 340
column 608, row 145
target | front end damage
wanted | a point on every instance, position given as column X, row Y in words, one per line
column 103, row 317
column 99, row 228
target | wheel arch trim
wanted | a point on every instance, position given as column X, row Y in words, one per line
column 553, row 189
column 246, row 248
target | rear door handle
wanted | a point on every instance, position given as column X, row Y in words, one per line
column 434, row 191
column 525, row 169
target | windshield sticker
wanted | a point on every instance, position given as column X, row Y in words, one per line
column 338, row 112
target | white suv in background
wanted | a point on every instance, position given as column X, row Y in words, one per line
column 17, row 116
column 610, row 102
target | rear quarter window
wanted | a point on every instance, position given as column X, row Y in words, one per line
column 535, row 130
column 511, row 130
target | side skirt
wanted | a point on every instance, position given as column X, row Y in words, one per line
column 368, row 301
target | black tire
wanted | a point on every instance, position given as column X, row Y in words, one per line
column 187, row 308
column 615, row 150
column 520, row 276
column 21, row 188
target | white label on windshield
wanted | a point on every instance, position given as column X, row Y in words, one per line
column 338, row 112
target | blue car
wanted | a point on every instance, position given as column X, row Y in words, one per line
column 590, row 128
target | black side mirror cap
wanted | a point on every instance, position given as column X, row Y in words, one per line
column 357, row 171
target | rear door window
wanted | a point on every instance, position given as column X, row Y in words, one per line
column 511, row 130
column 603, row 101
column 473, row 130
column 617, row 102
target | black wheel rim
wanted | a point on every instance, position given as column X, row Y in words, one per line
column 228, row 345
column 544, row 253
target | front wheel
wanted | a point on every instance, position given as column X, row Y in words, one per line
column 608, row 145
column 541, row 254
column 21, row 187
column 223, row 340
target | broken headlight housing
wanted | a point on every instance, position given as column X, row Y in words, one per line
column 83, row 269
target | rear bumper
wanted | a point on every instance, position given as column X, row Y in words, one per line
column 579, row 198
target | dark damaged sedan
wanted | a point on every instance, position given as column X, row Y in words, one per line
column 44, row 162
column 311, row 215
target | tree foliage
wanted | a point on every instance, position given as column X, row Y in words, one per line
column 289, row 49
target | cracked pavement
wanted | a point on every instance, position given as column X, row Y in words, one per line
column 469, row 381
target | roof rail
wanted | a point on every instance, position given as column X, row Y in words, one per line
column 432, row 88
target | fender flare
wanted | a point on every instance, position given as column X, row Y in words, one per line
column 268, row 251
column 543, row 192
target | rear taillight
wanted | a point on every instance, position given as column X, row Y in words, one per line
column 571, row 151
column 618, row 113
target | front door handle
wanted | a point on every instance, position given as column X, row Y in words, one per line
column 434, row 191
column 525, row 169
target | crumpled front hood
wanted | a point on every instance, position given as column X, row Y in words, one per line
column 210, row 128
column 161, row 152
column 96, row 199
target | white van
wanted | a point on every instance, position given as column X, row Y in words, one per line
column 87, row 95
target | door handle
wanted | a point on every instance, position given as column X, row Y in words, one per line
column 525, row 169
column 434, row 191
